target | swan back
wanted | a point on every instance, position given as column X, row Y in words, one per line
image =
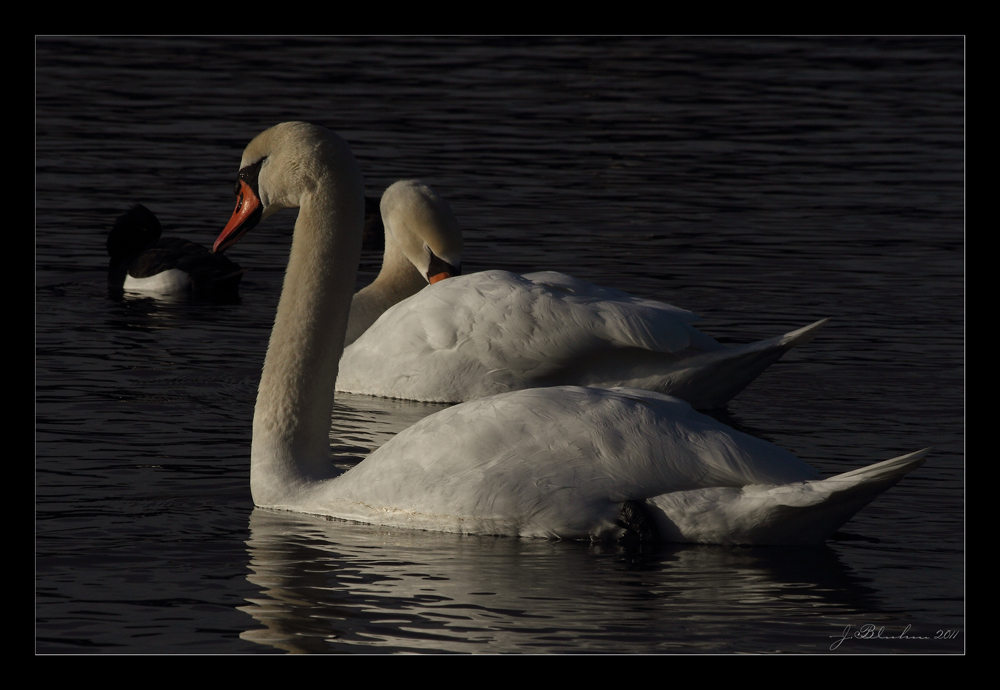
column 548, row 462
column 495, row 331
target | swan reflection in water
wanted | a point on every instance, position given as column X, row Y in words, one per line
column 328, row 585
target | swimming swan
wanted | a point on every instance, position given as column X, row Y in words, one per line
column 143, row 261
column 565, row 462
column 495, row 331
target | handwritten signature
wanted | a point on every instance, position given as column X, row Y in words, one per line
column 878, row 632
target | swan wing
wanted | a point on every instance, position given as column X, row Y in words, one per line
column 550, row 462
column 496, row 331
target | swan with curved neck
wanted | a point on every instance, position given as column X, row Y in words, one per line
column 496, row 331
column 423, row 244
column 551, row 462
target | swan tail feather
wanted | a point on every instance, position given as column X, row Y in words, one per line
column 803, row 335
column 804, row 513
column 714, row 378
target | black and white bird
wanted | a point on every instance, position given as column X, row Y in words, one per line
column 143, row 261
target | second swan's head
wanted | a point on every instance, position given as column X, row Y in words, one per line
column 424, row 228
column 281, row 166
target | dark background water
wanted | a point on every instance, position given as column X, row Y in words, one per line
column 762, row 183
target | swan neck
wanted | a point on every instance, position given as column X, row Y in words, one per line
column 295, row 399
column 397, row 280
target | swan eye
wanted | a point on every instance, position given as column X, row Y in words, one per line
column 249, row 175
column 236, row 191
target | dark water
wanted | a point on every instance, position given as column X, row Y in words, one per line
column 763, row 183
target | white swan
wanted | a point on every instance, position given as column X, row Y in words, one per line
column 423, row 244
column 495, row 331
column 550, row 462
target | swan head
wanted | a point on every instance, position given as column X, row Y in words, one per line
column 280, row 167
column 423, row 227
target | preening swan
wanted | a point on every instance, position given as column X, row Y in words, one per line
column 495, row 331
column 565, row 462
column 143, row 261
column 423, row 244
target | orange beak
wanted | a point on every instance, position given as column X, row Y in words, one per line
column 245, row 217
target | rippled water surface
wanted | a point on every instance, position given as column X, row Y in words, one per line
column 762, row 183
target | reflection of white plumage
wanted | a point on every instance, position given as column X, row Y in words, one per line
column 555, row 462
column 495, row 331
